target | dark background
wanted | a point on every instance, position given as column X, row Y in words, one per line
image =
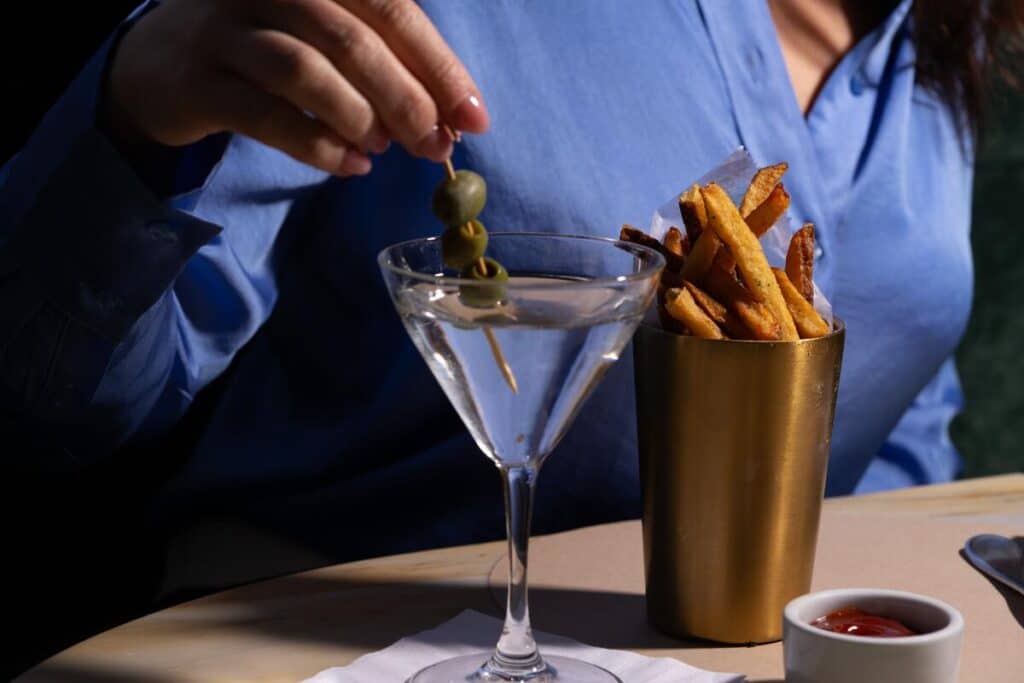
column 990, row 433
column 44, row 46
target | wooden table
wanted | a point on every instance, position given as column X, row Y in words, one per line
column 586, row 584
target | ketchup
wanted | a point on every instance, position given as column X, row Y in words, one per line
column 855, row 622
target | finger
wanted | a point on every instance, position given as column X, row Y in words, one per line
column 402, row 103
column 288, row 68
column 411, row 35
column 243, row 108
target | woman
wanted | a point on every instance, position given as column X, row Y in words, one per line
column 208, row 198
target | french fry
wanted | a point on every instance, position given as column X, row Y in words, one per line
column 691, row 208
column 807, row 320
column 761, row 186
column 726, row 319
column 628, row 233
column 769, row 211
column 680, row 305
column 725, row 261
column 800, row 261
column 670, row 324
column 718, row 283
column 715, row 310
column 763, row 218
column 673, row 241
column 755, row 316
column 725, row 221
column 701, row 257
column 671, row 278
column 760, row 221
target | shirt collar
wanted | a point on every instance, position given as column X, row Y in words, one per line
column 879, row 43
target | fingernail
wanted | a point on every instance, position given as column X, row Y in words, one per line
column 378, row 142
column 435, row 145
column 355, row 163
column 470, row 115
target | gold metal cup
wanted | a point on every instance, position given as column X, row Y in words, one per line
column 734, row 441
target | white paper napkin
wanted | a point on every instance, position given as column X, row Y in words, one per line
column 471, row 632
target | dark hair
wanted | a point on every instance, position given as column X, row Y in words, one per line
column 965, row 49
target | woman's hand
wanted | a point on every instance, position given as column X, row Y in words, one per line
column 325, row 81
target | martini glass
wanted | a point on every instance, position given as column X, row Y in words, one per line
column 517, row 371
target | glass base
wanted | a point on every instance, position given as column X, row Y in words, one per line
column 472, row 669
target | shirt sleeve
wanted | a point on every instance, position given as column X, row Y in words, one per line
column 117, row 306
column 919, row 450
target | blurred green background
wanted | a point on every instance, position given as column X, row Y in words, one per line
column 990, row 432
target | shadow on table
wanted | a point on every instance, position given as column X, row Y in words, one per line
column 373, row 613
column 1014, row 600
column 94, row 673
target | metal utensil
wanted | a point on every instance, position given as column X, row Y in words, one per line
column 998, row 557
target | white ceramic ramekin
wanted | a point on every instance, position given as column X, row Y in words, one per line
column 813, row 655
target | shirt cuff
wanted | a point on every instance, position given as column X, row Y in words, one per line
column 98, row 243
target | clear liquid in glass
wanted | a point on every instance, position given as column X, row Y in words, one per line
column 558, row 342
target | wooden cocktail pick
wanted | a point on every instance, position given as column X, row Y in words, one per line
column 492, row 341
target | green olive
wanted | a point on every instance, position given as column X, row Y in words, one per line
column 484, row 295
column 463, row 244
column 460, row 199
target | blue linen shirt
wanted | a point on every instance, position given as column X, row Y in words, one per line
column 120, row 302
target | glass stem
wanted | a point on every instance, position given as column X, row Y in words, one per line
column 516, row 653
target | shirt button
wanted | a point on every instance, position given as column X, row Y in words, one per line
column 857, row 86
column 818, row 252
